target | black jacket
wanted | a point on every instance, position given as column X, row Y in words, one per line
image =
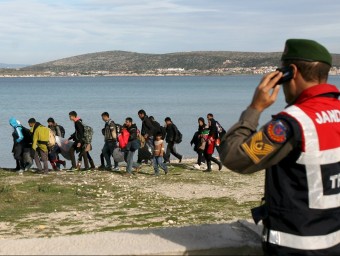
column 213, row 129
column 170, row 133
column 196, row 140
column 78, row 135
column 148, row 127
column 133, row 143
column 133, row 132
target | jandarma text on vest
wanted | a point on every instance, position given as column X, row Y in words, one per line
column 329, row 116
column 335, row 179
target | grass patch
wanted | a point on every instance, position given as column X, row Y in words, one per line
column 76, row 203
column 31, row 196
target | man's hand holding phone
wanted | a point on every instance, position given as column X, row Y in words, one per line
column 266, row 92
column 287, row 74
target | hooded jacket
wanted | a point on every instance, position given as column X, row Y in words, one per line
column 18, row 135
column 78, row 135
column 147, row 127
column 40, row 137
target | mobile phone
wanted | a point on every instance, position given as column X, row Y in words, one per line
column 287, row 74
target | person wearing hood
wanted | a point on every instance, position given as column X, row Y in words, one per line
column 39, row 144
column 17, row 145
column 199, row 142
column 21, row 145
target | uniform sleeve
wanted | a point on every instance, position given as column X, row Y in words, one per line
column 245, row 150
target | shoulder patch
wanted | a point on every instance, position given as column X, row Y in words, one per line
column 258, row 147
column 277, row 131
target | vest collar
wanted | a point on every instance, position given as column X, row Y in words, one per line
column 316, row 90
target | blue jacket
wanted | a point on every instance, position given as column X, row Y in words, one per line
column 17, row 129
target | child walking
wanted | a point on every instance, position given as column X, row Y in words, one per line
column 158, row 155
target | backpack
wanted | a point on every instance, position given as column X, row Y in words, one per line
column 27, row 135
column 115, row 133
column 118, row 129
column 220, row 130
column 88, row 134
column 159, row 128
column 163, row 131
column 51, row 138
column 62, row 130
column 178, row 135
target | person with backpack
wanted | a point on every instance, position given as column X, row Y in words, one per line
column 173, row 136
column 53, row 154
column 40, row 143
column 216, row 130
column 22, row 143
column 145, row 153
column 88, row 134
column 210, row 146
column 79, row 142
column 132, row 145
column 110, row 142
column 159, row 128
column 148, row 130
column 57, row 129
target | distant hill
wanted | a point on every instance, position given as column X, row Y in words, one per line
column 139, row 62
column 4, row 65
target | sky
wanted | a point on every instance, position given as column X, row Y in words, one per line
column 37, row 31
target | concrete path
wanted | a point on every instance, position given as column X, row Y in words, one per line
column 237, row 238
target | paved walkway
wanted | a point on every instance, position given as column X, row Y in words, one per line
column 237, row 238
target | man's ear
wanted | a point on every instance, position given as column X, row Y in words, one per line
column 295, row 70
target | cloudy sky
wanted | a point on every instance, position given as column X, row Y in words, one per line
column 36, row 31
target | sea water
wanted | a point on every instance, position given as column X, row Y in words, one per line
column 183, row 99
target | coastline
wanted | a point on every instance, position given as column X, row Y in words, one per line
column 8, row 73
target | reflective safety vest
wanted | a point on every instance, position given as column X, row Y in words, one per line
column 302, row 191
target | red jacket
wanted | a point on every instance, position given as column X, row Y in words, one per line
column 123, row 138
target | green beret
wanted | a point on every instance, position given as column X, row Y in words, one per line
column 306, row 50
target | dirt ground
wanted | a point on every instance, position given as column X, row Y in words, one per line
column 116, row 202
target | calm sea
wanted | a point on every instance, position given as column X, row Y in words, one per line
column 184, row 99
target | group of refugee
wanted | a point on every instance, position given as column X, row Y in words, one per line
column 45, row 144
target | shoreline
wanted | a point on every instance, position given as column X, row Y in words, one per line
column 127, row 75
column 135, row 75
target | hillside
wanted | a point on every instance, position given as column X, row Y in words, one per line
column 122, row 61
column 131, row 61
